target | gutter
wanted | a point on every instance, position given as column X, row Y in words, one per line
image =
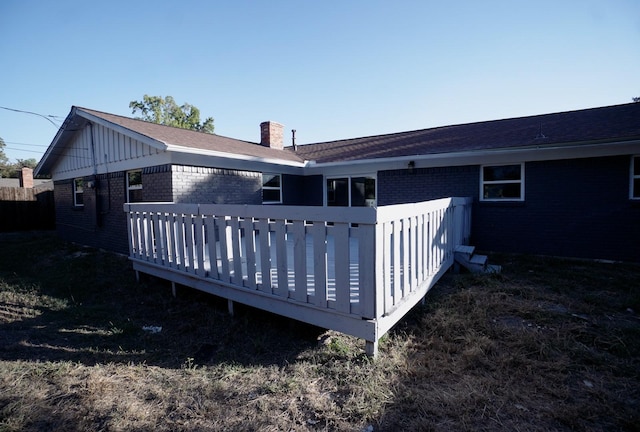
column 480, row 157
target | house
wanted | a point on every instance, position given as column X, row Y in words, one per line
column 349, row 234
column 563, row 184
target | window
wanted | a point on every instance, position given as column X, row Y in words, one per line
column 271, row 188
column 635, row 177
column 502, row 183
column 134, row 186
column 78, row 192
column 351, row 191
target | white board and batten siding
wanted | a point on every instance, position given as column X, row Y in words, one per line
column 355, row 270
column 106, row 151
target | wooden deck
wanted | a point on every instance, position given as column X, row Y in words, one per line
column 354, row 270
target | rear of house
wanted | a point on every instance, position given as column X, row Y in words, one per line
column 565, row 184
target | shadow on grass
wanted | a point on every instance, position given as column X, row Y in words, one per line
column 547, row 345
column 63, row 302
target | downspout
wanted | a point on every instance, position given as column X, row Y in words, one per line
column 106, row 169
column 98, row 218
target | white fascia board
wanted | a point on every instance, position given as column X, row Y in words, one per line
column 482, row 157
column 152, row 142
column 111, row 167
column 48, row 152
column 215, row 159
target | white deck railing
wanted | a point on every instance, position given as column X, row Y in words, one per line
column 363, row 263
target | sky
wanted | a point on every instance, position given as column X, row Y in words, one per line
column 329, row 69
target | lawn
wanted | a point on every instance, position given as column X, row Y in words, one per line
column 549, row 344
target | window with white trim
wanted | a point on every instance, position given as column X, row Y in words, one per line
column 502, row 182
column 134, row 186
column 78, row 192
column 351, row 191
column 635, row 178
column 271, row 188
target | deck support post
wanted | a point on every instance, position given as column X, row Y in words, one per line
column 173, row 289
column 371, row 348
column 230, row 307
column 137, row 276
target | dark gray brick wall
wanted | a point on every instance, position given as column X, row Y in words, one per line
column 574, row 208
column 216, row 185
column 157, row 184
column 100, row 222
column 400, row 186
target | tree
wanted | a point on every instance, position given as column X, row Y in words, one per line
column 165, row 111
column 29, row 163
column 3, row 157
column 4, row 161
column 636, row 99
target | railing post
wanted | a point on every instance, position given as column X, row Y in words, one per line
column 462, row 220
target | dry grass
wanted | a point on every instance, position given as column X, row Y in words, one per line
column 548, row 345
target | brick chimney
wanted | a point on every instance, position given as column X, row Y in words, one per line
column 272, row 135
column 26, row 178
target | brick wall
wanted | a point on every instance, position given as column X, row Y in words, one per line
column 216, row 185
column 100, row 222
column 400, row 186
column 574, row 208
column 157, row 184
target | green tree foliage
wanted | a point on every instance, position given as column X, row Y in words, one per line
column 4, row 160
column 165, row 111
column 3, row 157
column 29, row 163
column 11, row 170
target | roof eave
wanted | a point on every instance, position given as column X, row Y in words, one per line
column 76, row 119
column 240, row 157
column 485, row 156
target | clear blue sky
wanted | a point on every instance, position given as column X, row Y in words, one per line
column 329, row 69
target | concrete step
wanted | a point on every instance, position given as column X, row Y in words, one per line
column 464, row 256
column 479, row 260
column 463, row 253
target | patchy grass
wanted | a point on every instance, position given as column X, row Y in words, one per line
column 549, row 344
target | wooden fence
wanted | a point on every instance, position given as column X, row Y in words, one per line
column 23, row 209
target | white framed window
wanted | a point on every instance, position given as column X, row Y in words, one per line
column 351, row 191
column 134, row 186
column 634, row 191
column 78, row 192
column 271, row 188
column 502, row 182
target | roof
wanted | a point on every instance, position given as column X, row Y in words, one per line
column 195, row 140
column 159, row 136
column 612, row 123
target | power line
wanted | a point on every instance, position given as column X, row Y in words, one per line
column 23, row 150
column 25, row 144
column 47, row 117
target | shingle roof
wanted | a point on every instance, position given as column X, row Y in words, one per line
column 195, row 140
column 613, row 123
